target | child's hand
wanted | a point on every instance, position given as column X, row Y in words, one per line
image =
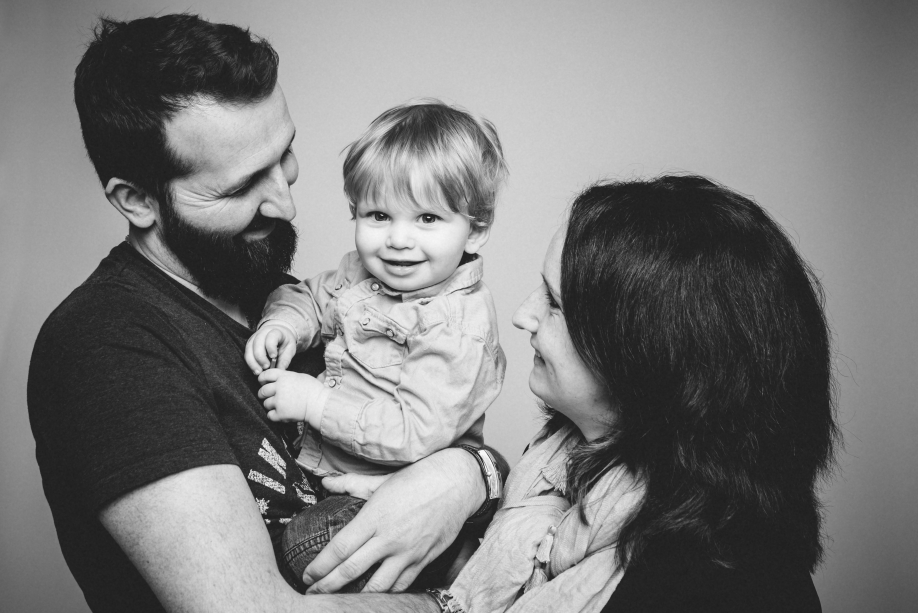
column 359, row 486
column 288, row 396
column 269, row 343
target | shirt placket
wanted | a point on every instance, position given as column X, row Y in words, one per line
column 334, row 352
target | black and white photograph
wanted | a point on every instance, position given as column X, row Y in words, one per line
column 516, row 306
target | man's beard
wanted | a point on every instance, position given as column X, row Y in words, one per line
column 229, row 267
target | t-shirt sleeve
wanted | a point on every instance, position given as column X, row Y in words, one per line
column 121, row 401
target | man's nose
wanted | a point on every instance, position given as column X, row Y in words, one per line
column 277, row 201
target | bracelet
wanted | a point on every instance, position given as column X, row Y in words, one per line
column 491, row 476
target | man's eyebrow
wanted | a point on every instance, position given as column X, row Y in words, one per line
column 246, row 181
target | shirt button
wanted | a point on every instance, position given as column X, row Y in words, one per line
column 390, row 333
column 365, row 321
column 339, row 286
column 375, row 287
column 331, row 383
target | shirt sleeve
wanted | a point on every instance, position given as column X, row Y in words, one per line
column 302, row 306
column 448, row 379
column 119, row 402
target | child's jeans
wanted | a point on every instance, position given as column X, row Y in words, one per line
column 312, row 528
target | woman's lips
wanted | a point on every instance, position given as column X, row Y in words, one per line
column 538, row 357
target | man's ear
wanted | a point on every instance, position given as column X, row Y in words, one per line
column 477, row 239
column 137, row 206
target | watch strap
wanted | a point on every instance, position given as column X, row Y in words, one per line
column 491, row 476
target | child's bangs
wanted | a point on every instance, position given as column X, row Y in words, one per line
column 405, row 179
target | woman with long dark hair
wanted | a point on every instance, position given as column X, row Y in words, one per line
column 683, row 357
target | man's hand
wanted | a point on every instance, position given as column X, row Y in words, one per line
column 292, row 396
column 272, row 345
column 407, row 523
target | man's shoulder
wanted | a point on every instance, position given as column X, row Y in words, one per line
column 117, row 296
column 112, row 291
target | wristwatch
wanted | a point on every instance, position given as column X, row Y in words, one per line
column 491, row 476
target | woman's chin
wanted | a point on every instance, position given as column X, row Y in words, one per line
column 537, row 388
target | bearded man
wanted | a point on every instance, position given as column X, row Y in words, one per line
column 167, row 484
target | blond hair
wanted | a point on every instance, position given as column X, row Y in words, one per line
column 426, row 152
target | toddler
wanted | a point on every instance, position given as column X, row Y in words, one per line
column 412, row 358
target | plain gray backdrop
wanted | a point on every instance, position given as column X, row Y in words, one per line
column 809, row 107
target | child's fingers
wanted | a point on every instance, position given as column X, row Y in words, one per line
column 270, row 376
column 250, row 359
column 285, row 356
column 267, row 392
column 256, row 345
column 272, row 416
column 359, row 486
column 274, row 340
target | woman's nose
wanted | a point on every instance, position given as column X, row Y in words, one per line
column 525, row 316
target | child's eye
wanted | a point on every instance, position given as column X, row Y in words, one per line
column 377, row 216
column 428, row 218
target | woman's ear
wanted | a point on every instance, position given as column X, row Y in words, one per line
column 477, row 239
column 137, row 206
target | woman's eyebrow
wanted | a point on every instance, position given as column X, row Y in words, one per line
column 552, row 290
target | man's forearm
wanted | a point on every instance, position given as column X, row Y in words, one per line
column 202, row 555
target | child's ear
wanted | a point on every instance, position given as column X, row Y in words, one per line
column 477, row 239
column 138, row 207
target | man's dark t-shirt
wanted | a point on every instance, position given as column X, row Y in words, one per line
column 134, row 378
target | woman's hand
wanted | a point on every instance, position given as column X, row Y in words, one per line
column 405, row 524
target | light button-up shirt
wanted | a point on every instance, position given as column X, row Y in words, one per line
column 409, row 373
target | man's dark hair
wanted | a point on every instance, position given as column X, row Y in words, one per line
column 693, row 307
column 135, row 75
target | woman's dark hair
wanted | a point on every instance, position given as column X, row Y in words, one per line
column 135, row 75
column 691, row 304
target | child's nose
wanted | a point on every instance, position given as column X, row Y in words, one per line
column 400, row 237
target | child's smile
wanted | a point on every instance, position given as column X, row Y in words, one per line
column 409, row 247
